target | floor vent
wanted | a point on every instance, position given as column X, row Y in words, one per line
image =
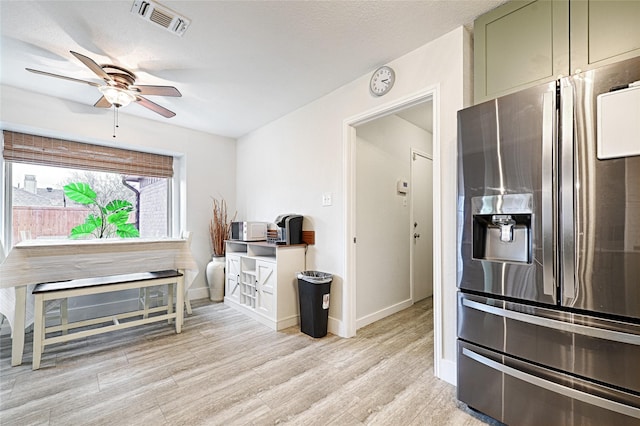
column 161, row 16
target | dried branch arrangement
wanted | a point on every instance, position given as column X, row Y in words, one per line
column 220, row 226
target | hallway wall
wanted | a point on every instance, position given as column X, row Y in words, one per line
column 383, row 215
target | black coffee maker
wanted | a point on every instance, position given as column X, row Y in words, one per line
column 290, row 228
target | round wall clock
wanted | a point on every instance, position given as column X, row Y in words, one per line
column 382, row 81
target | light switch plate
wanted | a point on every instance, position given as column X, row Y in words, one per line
column 327, row 199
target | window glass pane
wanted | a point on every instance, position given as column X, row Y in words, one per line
column 41, row 209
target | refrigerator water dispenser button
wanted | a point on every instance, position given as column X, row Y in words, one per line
column 506, row 224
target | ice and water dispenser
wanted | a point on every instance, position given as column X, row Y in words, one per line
column 502, row 228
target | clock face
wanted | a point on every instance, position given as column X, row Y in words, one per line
column 382, row 81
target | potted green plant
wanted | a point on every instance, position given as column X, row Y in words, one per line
column 105, row 221
column 219, row 232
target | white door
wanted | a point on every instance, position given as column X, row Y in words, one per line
column 422, row 225
column 232, row 278
column 265, row 287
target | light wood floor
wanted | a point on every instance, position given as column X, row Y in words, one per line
column 228, row 369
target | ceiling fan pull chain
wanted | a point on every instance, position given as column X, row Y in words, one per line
column 115, row 111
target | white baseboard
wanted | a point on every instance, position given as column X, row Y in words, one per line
column 198, row 293
column 84, row 312
column 448, row 371
column 336, row 327
column 383, row 313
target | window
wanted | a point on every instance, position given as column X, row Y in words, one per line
column 40, row 167
column 40, row 208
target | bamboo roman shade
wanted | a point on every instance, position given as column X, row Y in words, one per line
column 24, row 148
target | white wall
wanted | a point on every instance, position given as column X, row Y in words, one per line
column 206, row 167
column 286, row 165
column 383, row 215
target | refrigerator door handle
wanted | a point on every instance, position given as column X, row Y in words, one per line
column 599, row 333
column 548, row 132
column 567, row 235
column 554, row 387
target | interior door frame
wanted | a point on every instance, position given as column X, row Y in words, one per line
column 431, row 93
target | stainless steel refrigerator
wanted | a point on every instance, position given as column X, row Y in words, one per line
column 549, row 252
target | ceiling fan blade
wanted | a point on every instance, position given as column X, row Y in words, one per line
column 90, row 83
column 102, row 103
column 91, row 64
column 155, row 107
column 156, row 90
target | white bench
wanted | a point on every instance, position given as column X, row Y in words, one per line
column 85, row 286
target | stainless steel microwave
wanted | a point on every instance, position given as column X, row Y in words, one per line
column 249, row 231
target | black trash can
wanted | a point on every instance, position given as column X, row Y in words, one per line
column 313, row 294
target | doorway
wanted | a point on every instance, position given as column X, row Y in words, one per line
column 432, row 95
column 393, row 205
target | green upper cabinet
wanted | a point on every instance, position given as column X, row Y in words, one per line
column 603, row 32
column 520, row 44
column 523, row 42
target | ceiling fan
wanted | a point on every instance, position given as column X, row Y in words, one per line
column 120, row 88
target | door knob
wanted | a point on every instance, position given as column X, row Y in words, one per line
column 416, row 235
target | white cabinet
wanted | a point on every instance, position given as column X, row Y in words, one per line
column 266, row 284
column 261, row 281
column 232, row 277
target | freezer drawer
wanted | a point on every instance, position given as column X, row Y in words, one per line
column 596, row 349
column 519, row 393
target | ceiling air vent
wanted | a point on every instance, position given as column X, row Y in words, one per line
column 160, row 15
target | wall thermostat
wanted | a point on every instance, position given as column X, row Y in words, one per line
column 402, row 186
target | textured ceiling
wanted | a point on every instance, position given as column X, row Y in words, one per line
column 240, row 65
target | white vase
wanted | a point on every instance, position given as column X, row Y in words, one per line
column 215, row 278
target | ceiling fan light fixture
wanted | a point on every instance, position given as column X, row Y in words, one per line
column 119, row 88
column 116, row 96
